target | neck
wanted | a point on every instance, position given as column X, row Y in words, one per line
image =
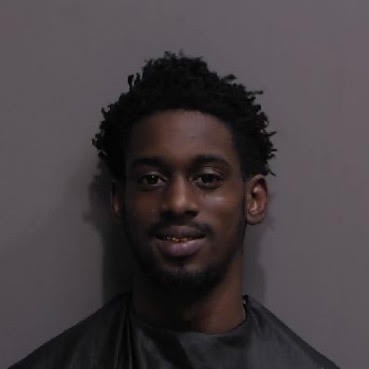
column 217, row 311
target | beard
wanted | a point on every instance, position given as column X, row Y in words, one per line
column 184, row 284
column 189, row 284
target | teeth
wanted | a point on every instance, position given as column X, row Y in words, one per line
column 177, row 239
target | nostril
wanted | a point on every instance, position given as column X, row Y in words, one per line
column 179, row 198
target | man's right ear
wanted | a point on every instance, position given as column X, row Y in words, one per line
column 116, row 200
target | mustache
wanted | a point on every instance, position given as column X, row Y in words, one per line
column 161, row 226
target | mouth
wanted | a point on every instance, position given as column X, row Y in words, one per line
column 179, row 244
column 177, row 239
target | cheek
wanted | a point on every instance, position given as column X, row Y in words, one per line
column 227, row 211
column 140, row 210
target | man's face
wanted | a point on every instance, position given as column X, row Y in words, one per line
column 184, row 198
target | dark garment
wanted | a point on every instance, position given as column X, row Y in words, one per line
column 115, row 338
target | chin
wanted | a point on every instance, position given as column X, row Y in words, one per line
column 186, row 278
column 185, row 282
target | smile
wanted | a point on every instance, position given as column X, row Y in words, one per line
column 179, row 246
column 177, row 239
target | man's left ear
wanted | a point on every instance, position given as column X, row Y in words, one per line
column 256, row 199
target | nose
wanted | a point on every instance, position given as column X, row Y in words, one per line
column 179, row 199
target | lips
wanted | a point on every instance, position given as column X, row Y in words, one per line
column 176, row 239
column 179, row 242
column 179, row 232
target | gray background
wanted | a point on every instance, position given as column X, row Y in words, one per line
column 61, row 61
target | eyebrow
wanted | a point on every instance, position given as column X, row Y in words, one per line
column 197, row 161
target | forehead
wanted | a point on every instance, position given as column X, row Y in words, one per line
column 179, row 136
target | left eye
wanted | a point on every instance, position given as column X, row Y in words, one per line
column 208, row 180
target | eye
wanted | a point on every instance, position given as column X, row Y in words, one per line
column 208, row 180
column 149, row 180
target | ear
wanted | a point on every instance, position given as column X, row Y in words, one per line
column 256, row 199
column 116, row 199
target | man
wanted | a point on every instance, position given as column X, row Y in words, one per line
column 188, row 151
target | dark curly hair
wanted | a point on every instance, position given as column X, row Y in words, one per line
column 180, row 82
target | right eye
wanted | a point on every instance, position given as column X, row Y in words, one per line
column 149, row 180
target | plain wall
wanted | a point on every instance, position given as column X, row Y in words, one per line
column 61, row 61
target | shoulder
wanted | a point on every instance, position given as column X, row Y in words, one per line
column 86, row 343
column 282, row 343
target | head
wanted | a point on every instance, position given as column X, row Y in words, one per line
column 188, row 151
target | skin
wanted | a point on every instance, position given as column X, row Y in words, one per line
column 183, row 171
